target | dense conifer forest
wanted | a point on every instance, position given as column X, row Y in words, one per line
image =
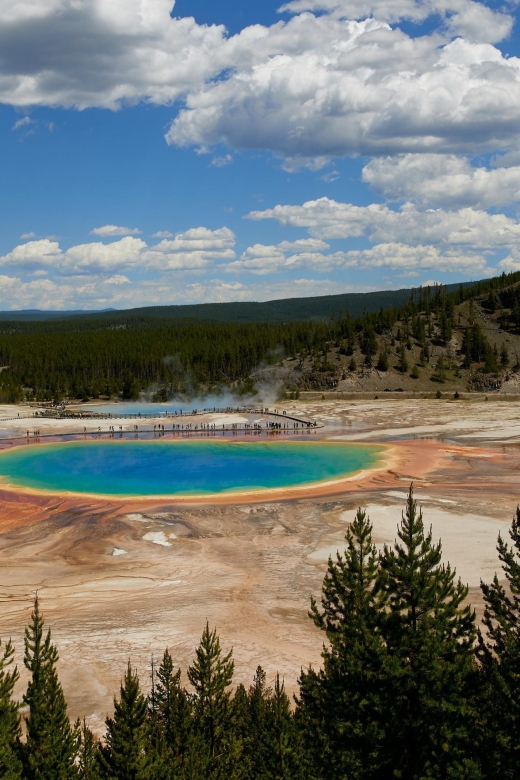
column 123, row 354
column 409, row 687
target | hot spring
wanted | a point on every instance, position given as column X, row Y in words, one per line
column 182, row 467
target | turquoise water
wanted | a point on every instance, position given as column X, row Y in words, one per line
column 139, row 407
column 148, row 468
column 148, row 407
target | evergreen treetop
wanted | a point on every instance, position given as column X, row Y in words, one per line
column 211, row 675
column 351, row 589
column 342, row 708
column 432, row 679
column 50, row 746
column 125, row 756
column 422, row 592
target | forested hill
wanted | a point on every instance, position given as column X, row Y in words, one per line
column 469, row 337
column 322, row 307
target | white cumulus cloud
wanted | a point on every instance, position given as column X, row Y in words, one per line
column 329, row 219
column 194, row 249
column 318, row 88
column 442, row 180
column 405, row 257
column 473, row 20
column 199, row 239
column 111, row 231
column 262, row 260
column 118, row 279
column 33, row 255
column 96, row 53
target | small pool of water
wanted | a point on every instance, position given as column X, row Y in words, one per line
column 148, row 407
column 182, row 467
column 138, row 407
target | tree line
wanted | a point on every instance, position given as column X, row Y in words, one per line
column 409, row 687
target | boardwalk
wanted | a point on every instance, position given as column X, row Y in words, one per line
column 275, row 423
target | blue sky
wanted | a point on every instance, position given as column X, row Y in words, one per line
column 157, row 153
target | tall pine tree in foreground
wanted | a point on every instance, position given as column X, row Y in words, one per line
column 87, row 753
column 430, row 638
column 499, row 653
column 10, row 764
column 49, row 750
column 171, row 716
column 342, row 709
column 286, row 760
column 211, row 675
column 125, row 754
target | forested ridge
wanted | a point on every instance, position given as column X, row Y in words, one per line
column 409, row 687
column 321, row 307
column 80, row 358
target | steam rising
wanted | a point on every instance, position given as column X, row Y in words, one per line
column 263, row 387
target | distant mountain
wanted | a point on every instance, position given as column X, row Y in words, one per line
column 322, row 307
column 30, row 315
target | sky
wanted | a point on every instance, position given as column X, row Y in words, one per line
column 220, row 150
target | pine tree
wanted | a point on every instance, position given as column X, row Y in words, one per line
column 251, row 716
column 265, row 733
column 10, row 764
column 125, row 754
column 341, row 708
column 368, row 344
column 87, row 753
column 445, row 328
column 440, row 368
column 172, row 709
column 49, row 750
column 504, row 356
column 499, row 653
column 247, row 737
column 430, row 636
column 471, row 313
column 382, row 361
column 211, row 675
column 403, row 361
column 286, row 763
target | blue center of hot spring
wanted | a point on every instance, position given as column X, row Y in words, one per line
column 169, row 468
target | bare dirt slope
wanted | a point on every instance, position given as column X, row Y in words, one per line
column 344, row 367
